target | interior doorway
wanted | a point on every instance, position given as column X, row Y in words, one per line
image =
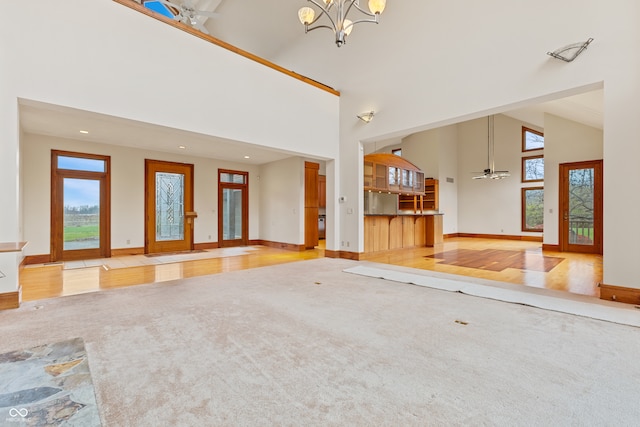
column 581, row 207
column 311, row 204
column 80, row 212
column 233, row 208
column 168, row 207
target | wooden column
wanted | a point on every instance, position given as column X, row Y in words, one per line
column 433, row 230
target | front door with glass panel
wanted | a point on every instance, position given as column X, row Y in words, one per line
column 581, row 207
column 168, row 207
column 79, row 206
column 233, row 190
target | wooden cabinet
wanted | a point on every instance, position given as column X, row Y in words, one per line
column 311, row 235
column 431, row 195
column 409, row 203
column 391, row 173
column 421, row 203
column 376, row 233
column 394, row 178
column 389, row 232
column 376, row 176
column 433, row 230
column 322, row 191
column 368, row 174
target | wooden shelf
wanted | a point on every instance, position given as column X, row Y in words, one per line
column 12, row 246
column 431, row 195
column 390, row 173
column 420, row 203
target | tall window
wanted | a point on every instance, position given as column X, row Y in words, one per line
column 532, row 209
column 533, row 168
column 532, row 139
column 532, row 171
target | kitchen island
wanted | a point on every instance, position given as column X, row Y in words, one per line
column 400, row 205
column 384, row 232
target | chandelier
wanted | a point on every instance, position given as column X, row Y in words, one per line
column 340, row 25
column 491, row 172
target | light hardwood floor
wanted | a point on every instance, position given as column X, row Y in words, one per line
column 577, row 273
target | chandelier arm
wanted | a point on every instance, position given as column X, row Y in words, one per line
column 320, row 26
column 316, row 19
column 366, row 12
column 324, row 11
column 351, row 4
column 372, row 21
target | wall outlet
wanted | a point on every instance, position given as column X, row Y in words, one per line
column 128, row 242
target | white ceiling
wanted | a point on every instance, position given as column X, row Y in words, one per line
column 585, row 108
column 52, row 120
column 272, row 31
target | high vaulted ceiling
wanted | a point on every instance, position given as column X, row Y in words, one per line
column 271, row 30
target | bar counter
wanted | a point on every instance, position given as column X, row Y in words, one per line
column 402, row 230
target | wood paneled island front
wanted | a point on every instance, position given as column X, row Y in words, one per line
column 400, row 231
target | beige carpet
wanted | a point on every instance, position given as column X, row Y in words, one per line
column 564, row 302
column 308, row 344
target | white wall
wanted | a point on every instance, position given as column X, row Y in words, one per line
column 10, row 230
column 487, row 206
column 152, row 72
column 423, row 150
column 477, row 58
column 103, row 57
column 493, row 207
column 127, row 192
column 448, row 158
column 564, row 141
column 282, row 201
column 435, row 152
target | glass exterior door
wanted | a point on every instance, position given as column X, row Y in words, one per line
column 81, row 214
column 232, row 213
column 233, row 217
column 581, row 204
column 169, row 206
column 169, row 202
column 80, row 226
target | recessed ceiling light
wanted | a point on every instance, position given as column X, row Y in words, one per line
column 182, row 147
column 247, row 157
column 84, row 131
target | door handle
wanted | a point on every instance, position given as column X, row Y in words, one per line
column 190, row 216
column 566, row 216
